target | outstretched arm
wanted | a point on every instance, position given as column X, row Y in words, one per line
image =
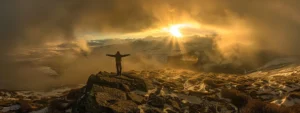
column 110, row 55
column 125, row 55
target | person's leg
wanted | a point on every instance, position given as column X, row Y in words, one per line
column 117, row 67
column 120, row 69
column 119, row 73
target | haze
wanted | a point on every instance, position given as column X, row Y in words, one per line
column 53, row 42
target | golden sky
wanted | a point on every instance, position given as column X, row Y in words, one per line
column 260, row 24
column 243, row 28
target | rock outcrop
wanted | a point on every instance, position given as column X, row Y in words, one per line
column 106, row 92
column 166, row 91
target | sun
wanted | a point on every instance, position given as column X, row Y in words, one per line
column 174, row 30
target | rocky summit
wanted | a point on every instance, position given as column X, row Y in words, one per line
column 167, row 91
column 109, row 93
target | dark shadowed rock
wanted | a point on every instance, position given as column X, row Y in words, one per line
column 237, row 98
column 171, row 111
column 108, row 93
column 75, row 94
column 176, row 106
column 25, row 107
column 295, row 95
column 105, row 96
column 176, row 92
column 59, row 106
column 138, row 99
column 195, row 108
column 125, row 107
column 257, row 106
column 6, row 102
column 124, row 83
column 213, row 83
column 156, row 101
column 153, row 110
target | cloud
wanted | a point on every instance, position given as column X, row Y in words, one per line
column 37, row 21
column 245, row 29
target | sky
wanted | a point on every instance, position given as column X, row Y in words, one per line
column 36, row 22
column 250, row 26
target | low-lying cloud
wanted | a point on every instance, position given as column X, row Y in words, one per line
column 246, row 30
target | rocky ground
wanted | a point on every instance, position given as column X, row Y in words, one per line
column 269, row 90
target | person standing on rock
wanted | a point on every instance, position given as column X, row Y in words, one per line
column 118, row 58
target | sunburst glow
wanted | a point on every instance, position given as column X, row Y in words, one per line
column 174, row 30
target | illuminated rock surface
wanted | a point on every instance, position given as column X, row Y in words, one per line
column 167, row 90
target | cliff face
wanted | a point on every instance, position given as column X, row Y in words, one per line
column 273, row 90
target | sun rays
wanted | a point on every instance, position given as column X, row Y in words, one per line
column 174, row 30
column 176, row 45
column 175, row 42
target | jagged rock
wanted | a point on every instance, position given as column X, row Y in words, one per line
column 39, row 104
column 125, row 107
column 242, row 87
column 109, row 93
column 87, row 104
column 153, row 110
column 59, row 106
column 75, row 94
column 213, row 83
column 174, row 104
column 112, row 82
column 136, row 98
column 295, row 95
column 171, row 111
column 140, row 83
column 11, row 109
column 25, row 107
column 105, row 73
column 124, row 83
column 253, row 94
column 257, row 106
column 203, row 108
column 237, row 98
column 105, row 96
column 20, row 107
column 156, row 101
column 200, row 94
column 196, row 108
column 6, row 102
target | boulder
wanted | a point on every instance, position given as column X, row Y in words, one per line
column 138, row 99
column 25, row 107
column 156, row 101
column 109, row 93
column 123, row 83
column 110, row 100
column 74, row 94
column 176, row 106
column 105, row 96
column 125, row 107
column 59, row 106
column 153, row 110
column 196, row 108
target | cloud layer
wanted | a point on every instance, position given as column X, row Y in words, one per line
column 245, row 29
column 36, row 21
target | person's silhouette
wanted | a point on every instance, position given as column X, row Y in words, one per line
column 118, row 58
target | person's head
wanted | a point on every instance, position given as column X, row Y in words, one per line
column 118, row 52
